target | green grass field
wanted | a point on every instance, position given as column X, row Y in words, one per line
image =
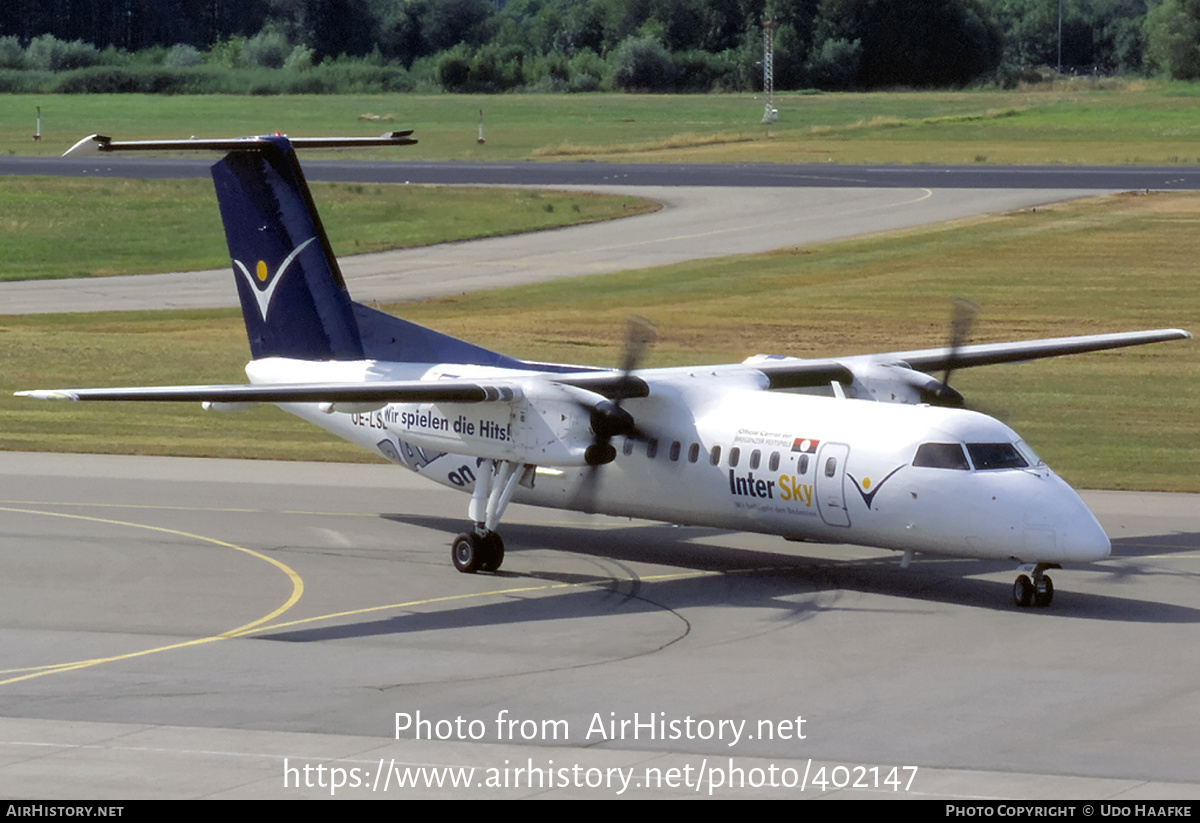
column 74, row 227
column 1079, row 122
column 1123, row 419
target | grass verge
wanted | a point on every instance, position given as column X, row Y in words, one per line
column 1064, row 123
column 54, row 227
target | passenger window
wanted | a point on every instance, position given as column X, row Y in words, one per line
column 693, row 452
column 734, row 454
column 941, row 456
column 755, row 456
column 652, row 448
column 773, row 465
column 831, row 467
column 675, row 447
column 715, row 457
column 628, row 448
column 802, row 467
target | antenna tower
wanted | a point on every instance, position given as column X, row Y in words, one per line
column 770, row 114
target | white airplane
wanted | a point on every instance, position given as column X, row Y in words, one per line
column 887, row 459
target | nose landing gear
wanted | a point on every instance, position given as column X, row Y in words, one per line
column 1033, row 587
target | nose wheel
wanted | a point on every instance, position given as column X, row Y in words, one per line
column 1033, row 587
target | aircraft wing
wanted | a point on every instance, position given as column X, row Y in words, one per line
column 782, row 373
column 794, row 373
column 400, row 392
column 612, row 385
column 992, row 353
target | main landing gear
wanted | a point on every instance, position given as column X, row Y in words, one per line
column 1037, row 590
column 482, row 550
column 476, row 552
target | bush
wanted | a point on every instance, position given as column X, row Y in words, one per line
column 496, row 68
column 835, row 64
column 183, row 56
column 589, row 72
column 699, row 71
column 643, row 64
column 454, row 70
column 12, row 56
column 299, row 59
column 227, row 52
column 16, row 81
column 267, row 49
column 1173, row 39
column 48, row 53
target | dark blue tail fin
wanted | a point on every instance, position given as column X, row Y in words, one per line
column 293, row 296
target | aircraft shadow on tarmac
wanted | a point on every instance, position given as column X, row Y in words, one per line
column 796, row 585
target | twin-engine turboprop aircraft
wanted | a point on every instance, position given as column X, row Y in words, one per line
column 889, row 460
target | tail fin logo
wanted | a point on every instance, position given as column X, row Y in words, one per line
column 262, row 275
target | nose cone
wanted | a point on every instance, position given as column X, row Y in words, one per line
column 1083, row 538
column 1060, row 527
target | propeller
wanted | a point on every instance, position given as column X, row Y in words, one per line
column 608, row 419
column 961, row 319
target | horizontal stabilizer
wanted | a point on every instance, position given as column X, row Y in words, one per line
column 98, row 143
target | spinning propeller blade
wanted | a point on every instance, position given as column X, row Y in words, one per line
column 961, row 320
column 608, row 419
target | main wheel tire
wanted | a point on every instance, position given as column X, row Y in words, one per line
column 1023, row 591
column 465, row 553
column 492, row 551
column 1045, row 597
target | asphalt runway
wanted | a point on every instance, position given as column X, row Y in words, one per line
column 155, row 646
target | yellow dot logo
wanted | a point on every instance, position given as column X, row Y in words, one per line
column 261, row 271
column 866, row 483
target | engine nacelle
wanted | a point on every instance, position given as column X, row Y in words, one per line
column 897, row 383
column 545, row 424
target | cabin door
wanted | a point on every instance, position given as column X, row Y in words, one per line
column 831, row 479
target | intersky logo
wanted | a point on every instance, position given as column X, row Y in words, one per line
column 264, row 288
column 866, row 484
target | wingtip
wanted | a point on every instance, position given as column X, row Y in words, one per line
column 91, row 145
column 53, row 394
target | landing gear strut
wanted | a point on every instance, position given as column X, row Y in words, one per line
column 482, row 550
column 1033, row 587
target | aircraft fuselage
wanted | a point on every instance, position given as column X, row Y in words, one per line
column 720, row 452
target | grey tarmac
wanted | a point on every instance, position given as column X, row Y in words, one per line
column 134, row 665
column 206, row 628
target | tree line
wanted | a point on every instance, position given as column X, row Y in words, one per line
column 271, row 46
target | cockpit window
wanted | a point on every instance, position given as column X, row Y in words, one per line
column 987, row 456
column 1029, row 454
column 941, row 456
